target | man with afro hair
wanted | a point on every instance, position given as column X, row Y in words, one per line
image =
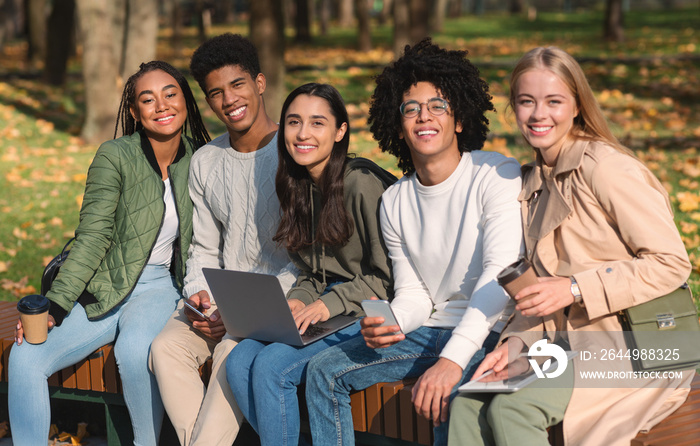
column 451, row 224
column 236, row 214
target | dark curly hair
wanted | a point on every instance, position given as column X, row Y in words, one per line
column 221, row 51
column 452, row 75
column 293, row 182
column 129, row 125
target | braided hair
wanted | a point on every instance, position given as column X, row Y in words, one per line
column 129, row 125
column 453, row 76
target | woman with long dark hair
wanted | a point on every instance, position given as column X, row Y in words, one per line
column 122, row 279
column 330, row 227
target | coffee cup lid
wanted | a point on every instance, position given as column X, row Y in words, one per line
column 513, row 271
column 33, row 304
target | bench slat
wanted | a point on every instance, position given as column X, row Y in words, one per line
column 391, row 408
column 373, row 400
column 359, row 411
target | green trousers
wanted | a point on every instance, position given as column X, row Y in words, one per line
column 511, row 419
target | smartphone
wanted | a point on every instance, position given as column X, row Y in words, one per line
column 196, row 311
column 381, row 308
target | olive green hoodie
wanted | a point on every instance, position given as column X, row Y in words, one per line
column 362, row 264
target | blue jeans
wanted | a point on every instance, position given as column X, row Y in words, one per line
column 133, row 324
column 264, row 380
column 335, row 372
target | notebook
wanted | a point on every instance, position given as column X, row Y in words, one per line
column 510, row 385
column 254, row 306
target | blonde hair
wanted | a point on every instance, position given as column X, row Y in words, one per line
column 590, row 122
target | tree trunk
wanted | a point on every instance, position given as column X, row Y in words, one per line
column 345, row 13
column 325, row 16
column 176, row 23
column 364, row 36
column 100, row 69
column 386, row 11
column 10, row 20
column 613, row 30
column 60, row 41
column 420, row 20
column 479, row 7
column 402, row 26
column 203, row 20
column 439, row 15
column 36, row 24
column 515, row 7
column 455, row 8
column 302, row 21
column 140, row 35
column 267, row 34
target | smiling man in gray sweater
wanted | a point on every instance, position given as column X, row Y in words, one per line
column 236, row 213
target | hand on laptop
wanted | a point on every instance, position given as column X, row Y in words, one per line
column 305, row 315
column 212, row 328
column 497, row 362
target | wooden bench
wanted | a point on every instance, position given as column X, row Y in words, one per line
column 382, row 414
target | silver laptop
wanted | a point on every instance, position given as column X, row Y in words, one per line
column 509, row 385
column 254, row 306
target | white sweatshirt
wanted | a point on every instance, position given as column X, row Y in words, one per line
column 448, row 242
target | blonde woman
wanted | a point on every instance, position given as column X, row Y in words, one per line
column 599, row 231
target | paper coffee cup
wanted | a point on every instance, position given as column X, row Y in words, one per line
column 34, row 314
column 517, row 276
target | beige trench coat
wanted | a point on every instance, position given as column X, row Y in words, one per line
column 602, row 217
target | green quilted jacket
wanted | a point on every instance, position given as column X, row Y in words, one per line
column 120, row 218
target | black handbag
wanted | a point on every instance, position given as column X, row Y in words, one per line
column 51, row 270
column 664, row 333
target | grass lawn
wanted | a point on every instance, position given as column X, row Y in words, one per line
column 648, row 87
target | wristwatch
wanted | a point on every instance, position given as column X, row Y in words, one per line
column 576, row 291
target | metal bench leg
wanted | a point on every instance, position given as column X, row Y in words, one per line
column 118, row 425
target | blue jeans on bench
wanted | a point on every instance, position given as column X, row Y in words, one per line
column 264, row 379
column 335, row 372
column 131, row 325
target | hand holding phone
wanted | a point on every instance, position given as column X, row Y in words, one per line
column 381, row 308
column 196, row 311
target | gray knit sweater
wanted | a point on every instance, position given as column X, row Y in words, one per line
column 236, row 214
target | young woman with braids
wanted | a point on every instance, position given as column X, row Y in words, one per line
column 123, row 276
column 330, row 227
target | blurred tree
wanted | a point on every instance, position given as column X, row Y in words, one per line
column 385, row 13
column 325, row 15
column 140, row 35
column 117, row 36
column 302, row 21
column 420, row 20
column 515, row 6
column 100, row 69
column 438, row 15
column 613, row 27
column 364, row 36
column 345, row 13
column 10, row 20
column 203, row 19
column 402, row 26
column 36, row 30
column 267, row 34
column 59, row 44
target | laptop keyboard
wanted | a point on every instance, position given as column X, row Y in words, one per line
column 315, row 330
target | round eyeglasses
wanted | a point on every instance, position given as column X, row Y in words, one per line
column 436, row 107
